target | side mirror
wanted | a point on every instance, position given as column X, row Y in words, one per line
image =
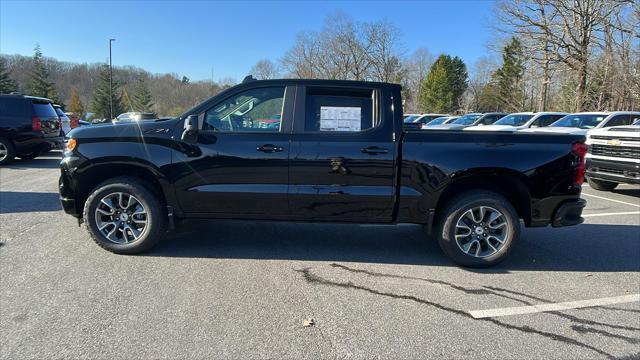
column 190, row 133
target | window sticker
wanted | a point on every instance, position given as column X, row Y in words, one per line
column 339, row 118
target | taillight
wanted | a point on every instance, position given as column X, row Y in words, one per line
column 36, row 124
column 580, row 149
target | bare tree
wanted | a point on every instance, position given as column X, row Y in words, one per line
column 415, row 68
column 564, row 31
column 346, row 49
column 265, row 69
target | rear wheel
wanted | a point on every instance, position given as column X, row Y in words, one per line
column 124, row 217
column 602, row 185
column 478, row 229
column 7, row 151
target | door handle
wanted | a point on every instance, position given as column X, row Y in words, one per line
column 374, row 150
column 269, row 148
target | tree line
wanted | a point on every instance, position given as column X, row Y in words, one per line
column 564, row 55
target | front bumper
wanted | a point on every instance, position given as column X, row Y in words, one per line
column 67, row 195
column 568, row 213
column 615, row 171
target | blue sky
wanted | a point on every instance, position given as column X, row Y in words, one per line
column 193, row 37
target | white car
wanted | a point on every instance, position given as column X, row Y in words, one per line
column 581, row 123
column 522, row 120
column 613, row 157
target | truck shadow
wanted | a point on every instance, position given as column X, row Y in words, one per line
column 49, row 161
column 635, row 192
column 19, row 202
column 586, row 248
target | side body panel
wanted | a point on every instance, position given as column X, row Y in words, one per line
column 432, row 161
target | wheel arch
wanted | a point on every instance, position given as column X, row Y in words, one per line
column 89, row 178
column 510, row 184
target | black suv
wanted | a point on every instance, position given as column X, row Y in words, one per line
column 29, row 126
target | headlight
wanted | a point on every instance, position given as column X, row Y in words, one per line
column 72, row 144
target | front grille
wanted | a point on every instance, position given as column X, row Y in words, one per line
column 611, row 171
column 621, row 138
column 615, row 151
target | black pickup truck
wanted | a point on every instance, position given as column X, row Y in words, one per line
column 319, row 150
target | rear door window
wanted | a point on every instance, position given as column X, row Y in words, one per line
column 12, row 107
column 44, row 110
column 339, row 110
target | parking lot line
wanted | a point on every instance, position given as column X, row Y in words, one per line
column 618, row 201
column 520, row 310
column 613, row 213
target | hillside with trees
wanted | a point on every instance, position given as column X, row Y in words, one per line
column 82, row 86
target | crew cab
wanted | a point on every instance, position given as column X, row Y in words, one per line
column 613, row 157
column 338, row 154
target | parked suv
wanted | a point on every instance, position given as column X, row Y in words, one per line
column 613, row 157
column 28, row 126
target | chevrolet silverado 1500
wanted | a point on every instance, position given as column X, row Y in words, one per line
column 321, row 151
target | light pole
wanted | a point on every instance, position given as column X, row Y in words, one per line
column 110, row 82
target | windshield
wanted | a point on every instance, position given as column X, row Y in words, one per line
column 410, row 118
column 514, row 120
column 582, row 121
column 468, row 119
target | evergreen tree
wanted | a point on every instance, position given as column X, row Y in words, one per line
column 38, row 83
column 75, row 104
column 508, row 78
column 100, row 102
column 444, row 85
column 7, row 85
column 142, row 96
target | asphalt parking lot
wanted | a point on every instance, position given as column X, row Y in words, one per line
column 243, row 289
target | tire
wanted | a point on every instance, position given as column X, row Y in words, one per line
column 7, row 151
column 123, row 240
column 482, row 243
column 602, row 185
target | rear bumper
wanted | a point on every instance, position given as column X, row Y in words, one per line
column 568, row 213
column 56, row 142
column 615, row 171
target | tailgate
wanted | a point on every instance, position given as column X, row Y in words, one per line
column 49, row 120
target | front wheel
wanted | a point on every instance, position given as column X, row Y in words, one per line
column 124, row 217
column 602, row 185
column 478, row 229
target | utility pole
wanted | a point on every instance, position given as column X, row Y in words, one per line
column 110, row 82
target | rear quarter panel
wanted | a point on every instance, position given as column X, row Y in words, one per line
column 431, row 161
